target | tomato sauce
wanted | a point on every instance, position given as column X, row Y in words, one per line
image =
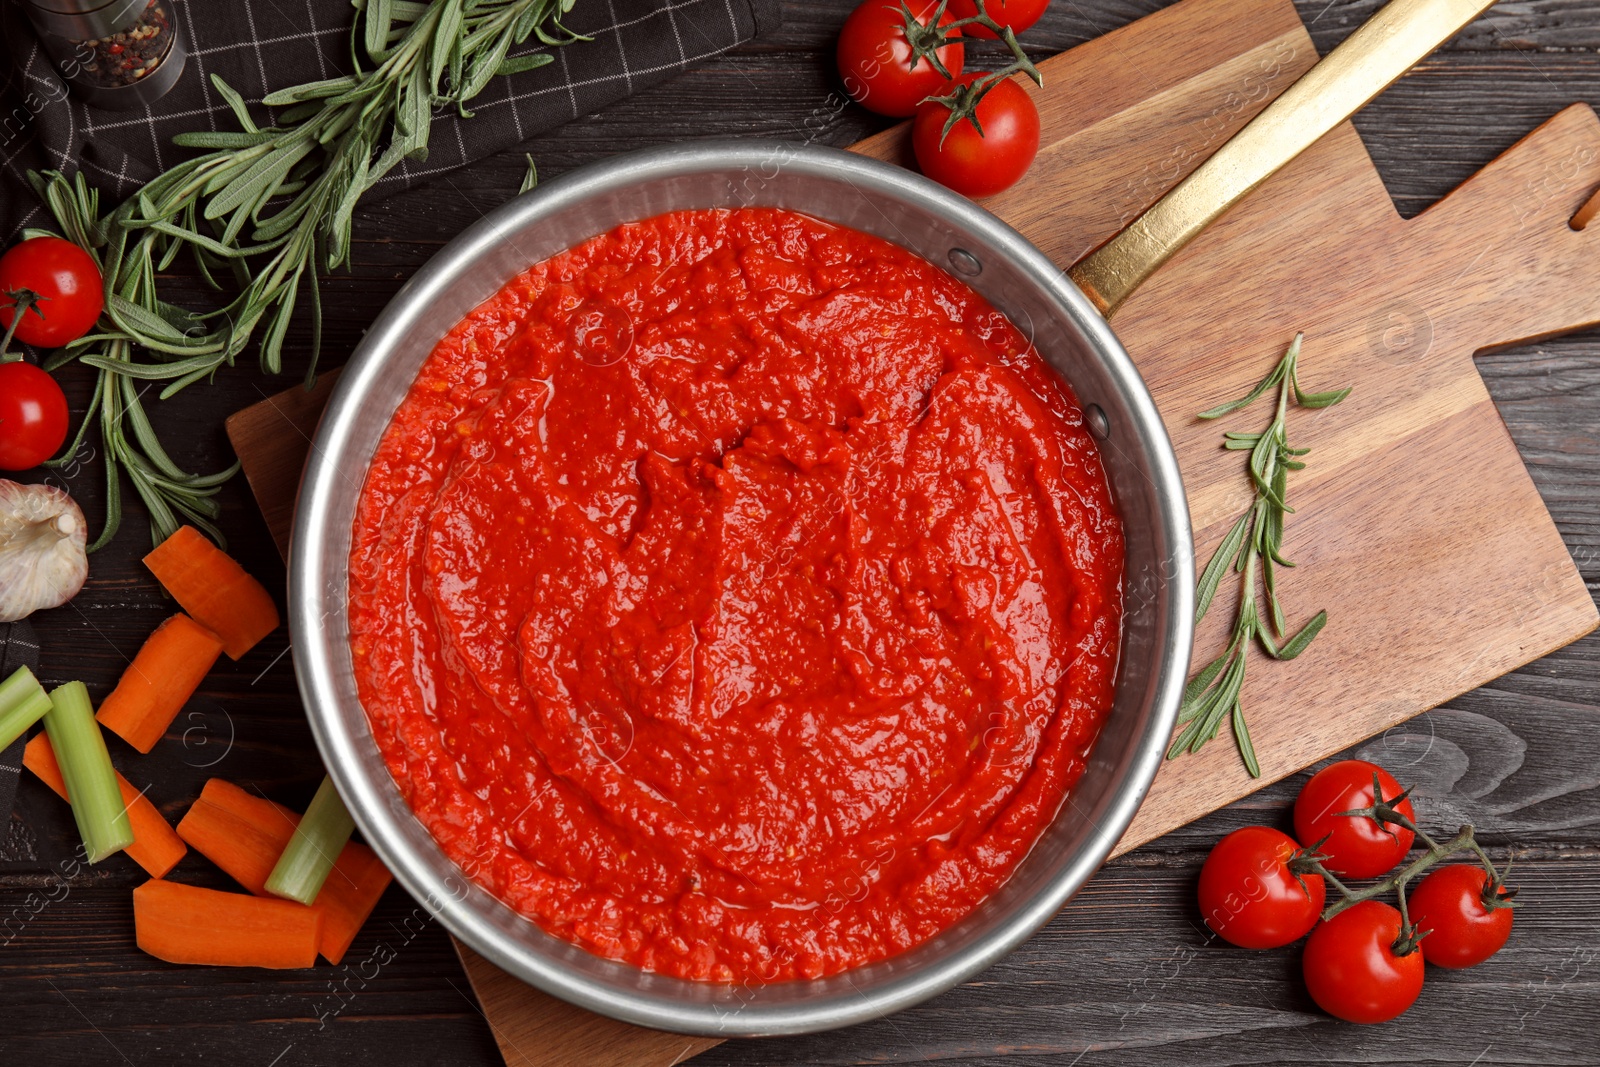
column 736, row 595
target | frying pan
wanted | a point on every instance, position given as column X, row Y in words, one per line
column 1066, row 317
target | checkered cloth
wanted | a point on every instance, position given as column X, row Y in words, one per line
column 18, row 648
column 257, row 47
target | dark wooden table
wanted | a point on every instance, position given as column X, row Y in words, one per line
column 1126, row 974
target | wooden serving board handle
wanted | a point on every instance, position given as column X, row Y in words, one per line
column 1419, row 528
column 1529, row 273
column 1383, row 48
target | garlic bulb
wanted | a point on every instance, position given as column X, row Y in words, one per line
column 42, row 538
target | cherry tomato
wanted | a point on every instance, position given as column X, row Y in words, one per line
column 69, row 287
column 1251, row 898
column 1356, row 846
column 1463, row 930
column 975, row 164
column 1016, row 14
column 875, row 58
column 33, row 416
column 1352, row 970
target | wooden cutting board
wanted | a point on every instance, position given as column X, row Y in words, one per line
column 1418, row 528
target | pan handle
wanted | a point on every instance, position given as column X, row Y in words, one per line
column 1367, row 62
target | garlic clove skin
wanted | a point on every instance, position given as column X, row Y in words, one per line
column 43, row 562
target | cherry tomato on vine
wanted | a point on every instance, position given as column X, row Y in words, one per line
column 1352, row 968
column 971, row 163
column 874, row 57
column 68, row 286
column 1356, row 846
column 1018, row 15
column 1463, row 930
column 33, row 416
column 1251, row 897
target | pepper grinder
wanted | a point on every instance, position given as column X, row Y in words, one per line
column 117, row 54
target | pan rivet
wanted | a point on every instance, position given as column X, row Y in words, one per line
column 1099, row 425
column 964, row 262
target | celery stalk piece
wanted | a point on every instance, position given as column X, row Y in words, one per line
column 23, row 702
column 316, row 844
column 92, row 787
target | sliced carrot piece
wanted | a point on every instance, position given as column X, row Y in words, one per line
column 244, row 834
column 238, row 831
column 348, row 896
column 214, row 589
column 159, row 681
column 155, row 847
column 188, row 924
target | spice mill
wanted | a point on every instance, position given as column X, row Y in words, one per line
column 121, row 54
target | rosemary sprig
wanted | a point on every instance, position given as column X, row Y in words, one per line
column 272, row 206
column 1253, row 548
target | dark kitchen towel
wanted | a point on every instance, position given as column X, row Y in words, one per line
column 18, row 648
column 259, row 47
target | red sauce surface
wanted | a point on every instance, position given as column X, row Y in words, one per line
column 736, row 595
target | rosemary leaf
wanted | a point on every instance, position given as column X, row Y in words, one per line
column 151, row 371
column 1297, row 644
column 1241, row 734
column 1244, row 401
column 376, row 35
column 532, row 61
column 317, row 90
column 261, row 179
column 221, row 139
column 1199, row 684
column 1221, row 562
column 236, row 102
column 132, row 317
column 1317, row 400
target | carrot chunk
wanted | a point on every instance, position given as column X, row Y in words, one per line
column 244, row 834
column 348, row 896
column 159, row 681
column 155, row 846
column 238, row 831
column 187, row 924
column 214, row 589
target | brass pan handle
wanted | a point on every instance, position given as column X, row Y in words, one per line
column 1367, row 62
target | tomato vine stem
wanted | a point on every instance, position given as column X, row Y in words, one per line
column 1494, row 894
column 963, row 97
column 1461, row 842
column 22, row 300
column 1385, row 812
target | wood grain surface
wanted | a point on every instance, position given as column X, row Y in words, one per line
column 1124, row 974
